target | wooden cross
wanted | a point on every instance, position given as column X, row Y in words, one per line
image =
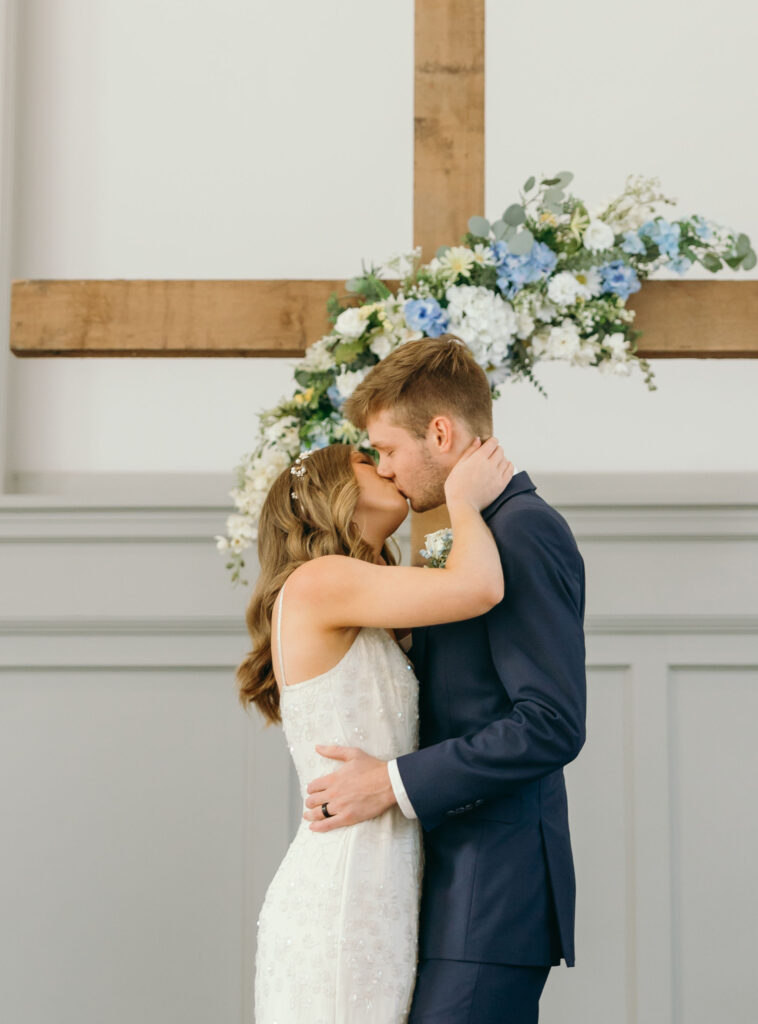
column 280, row 318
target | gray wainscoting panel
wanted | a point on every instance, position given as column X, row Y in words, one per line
column 145, row 812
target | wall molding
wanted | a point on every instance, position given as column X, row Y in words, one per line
column 62, row 523
column 224, row 626
column 575, row 489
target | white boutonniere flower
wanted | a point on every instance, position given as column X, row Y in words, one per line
column 436, row 548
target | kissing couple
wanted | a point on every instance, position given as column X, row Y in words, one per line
column 429, row 713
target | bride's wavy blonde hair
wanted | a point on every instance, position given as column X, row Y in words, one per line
column 293, row 530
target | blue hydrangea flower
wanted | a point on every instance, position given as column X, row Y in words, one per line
column 619, row 279
column 542, row 259
column 663, row 234
column 499, row 252
column 335, row 398
column 703, row 229
column 426, row 315
column 632, row 243
column 318, row 437
column 516, row 271
column 681, row 264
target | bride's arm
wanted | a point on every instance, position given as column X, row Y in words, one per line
column 343, row 591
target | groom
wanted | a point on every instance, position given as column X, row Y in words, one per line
column 502, row 710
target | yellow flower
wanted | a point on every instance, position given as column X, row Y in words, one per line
column 549, row 218
column 303, row 397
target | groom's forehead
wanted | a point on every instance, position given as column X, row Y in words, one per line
column 383, row 430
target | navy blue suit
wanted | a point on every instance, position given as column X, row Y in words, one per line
column 502, row 710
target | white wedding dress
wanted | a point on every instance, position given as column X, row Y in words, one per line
column 337, row 933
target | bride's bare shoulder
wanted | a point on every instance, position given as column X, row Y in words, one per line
column 320, row 573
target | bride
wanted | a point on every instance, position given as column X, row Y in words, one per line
column 338, row 928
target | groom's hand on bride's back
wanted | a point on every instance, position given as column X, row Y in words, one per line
column 357, row 790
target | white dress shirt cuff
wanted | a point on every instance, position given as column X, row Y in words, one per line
column 399, row 790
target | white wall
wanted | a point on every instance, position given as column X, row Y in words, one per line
column 241, row 139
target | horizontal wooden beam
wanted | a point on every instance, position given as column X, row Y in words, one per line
column 168, row 318
column 697, row 319
column 680, row 319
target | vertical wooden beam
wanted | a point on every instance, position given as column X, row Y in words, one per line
column 448, row 166
column 448, row 181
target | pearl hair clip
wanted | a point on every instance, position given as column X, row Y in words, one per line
column 298, row 469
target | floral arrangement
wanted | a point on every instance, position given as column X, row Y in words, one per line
column 437, row 547
column 549, row 280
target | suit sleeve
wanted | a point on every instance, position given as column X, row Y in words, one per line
column 536, row 639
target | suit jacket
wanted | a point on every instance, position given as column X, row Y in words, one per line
column 502, row 710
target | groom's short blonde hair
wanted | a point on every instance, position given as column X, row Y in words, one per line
column 423, row 379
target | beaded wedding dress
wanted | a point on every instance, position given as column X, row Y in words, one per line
column 337, row 933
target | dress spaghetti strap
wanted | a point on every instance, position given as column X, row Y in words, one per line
column 279, row 634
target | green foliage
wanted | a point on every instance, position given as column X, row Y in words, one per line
column 348, row 351
column 334, row 307
column 514, row 215
column 479, row 227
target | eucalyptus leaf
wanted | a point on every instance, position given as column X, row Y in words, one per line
column 749, row 261
column 441, row 251
column 514, row 215
column 529, row 184
column 499, row 229
column 554, row 195
column 712, row 262
column 510, row 231
column 521, row 243
column 479, row 226
column 565, row 177
column 550, row 181
column 743, row 245
column 355, row 284
column 555, row 208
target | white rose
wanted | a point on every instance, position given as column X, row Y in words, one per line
column 348, row 381
column 598, row 236
column 381, row 345
column 563, row 289
column 350, row 323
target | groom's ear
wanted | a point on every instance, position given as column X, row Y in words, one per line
column 443, row 433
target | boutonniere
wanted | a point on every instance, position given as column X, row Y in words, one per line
column 436, row 548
